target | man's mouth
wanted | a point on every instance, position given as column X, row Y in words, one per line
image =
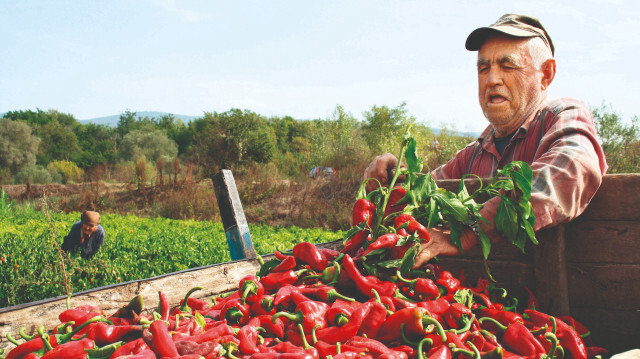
column 496, row 99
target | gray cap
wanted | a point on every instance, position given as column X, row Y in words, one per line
column 512, row 25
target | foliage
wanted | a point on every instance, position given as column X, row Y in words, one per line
column 18, row 146
column 33, row 173
column 134, row 248
column 69, row 171
column 383, row 125
column 148, row 144
column 97, row 145
column 620, row 142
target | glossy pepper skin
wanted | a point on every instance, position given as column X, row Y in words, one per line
column 103, row 333
column 423, row 288
column 365, row 284
column 569, row 338
column 275, row 280
column 413, row 321
column 70, row 350
column 235, row 311
column 161, row 343
column 355, row 242
column 363, row 211
column 413, row 226
column 308, row 313
column 396, row 194
column 519, row 339
column 306, row 252
column 387, row 240
column 251, row 289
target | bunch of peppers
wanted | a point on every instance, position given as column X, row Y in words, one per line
column 313, row 303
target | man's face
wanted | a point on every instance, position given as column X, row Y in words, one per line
column 88, row 229
column 509, row 86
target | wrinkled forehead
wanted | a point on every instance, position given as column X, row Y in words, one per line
column 498, row 48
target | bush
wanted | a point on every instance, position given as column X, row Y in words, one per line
column 69, row 171
column 33, row 173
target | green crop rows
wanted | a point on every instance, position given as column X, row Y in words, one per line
column 134, row 248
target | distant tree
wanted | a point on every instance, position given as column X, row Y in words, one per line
column 68, row 170
column 620, row 141
column 147, row 144
column 384, row 127
column 223, row 140
column 18, row 146
column 97, row 144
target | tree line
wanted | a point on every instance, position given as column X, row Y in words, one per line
column 51, row 146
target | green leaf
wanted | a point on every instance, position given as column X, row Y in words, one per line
column 414, row 162
column 422, row 188
column 456, row 231
column 464, row 297
column 451, row 205
column 268, row 266
column 506, row 220
column 408, row 260
column 434, row 215
column 200, row 320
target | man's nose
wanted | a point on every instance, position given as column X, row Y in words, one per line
column 494, row 77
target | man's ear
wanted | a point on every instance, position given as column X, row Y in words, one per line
column 548, row 70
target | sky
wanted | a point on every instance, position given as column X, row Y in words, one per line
column 297, row 58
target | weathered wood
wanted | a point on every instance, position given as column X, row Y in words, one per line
column 551, row 272
column 235, row 224
column 617, row 199
column 616, row 330
column 603, row 241
column 604, row 285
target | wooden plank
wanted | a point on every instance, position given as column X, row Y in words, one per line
column 616, row 199
column 235, row 224
column 603, row 241
column 551, row 272
column 615, row 330
column 604, row 285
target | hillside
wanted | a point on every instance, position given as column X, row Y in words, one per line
column 113, row 119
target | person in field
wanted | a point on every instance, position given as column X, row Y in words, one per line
column 86, row 235
column 557, row 138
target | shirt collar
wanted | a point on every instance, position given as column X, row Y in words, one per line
column 486, row 138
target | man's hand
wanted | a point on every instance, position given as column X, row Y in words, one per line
column 381, row 168
column 440, row 244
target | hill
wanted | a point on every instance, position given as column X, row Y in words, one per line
column 114, row 119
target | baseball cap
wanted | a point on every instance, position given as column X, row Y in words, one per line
column 509, row 24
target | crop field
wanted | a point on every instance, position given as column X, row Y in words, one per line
column 32, row 267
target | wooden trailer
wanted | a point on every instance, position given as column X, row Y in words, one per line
column 589, row 268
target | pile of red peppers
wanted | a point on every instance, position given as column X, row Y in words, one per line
column 317, row 303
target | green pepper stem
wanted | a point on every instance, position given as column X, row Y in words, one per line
column 12, row 339
column 420, row 344
column 404, row 337
column 427, row 320
column 501, row 327
column 184, row 307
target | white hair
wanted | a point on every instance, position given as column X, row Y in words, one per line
column 539, row 51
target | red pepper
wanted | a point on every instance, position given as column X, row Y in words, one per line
column 188, row 347
column 441, row 351
column 275, row 280
column 103, row 333
column 457, row 316
column 235, row 311
column 221, row 330
column 372, row 321
column 325, row 293
column 519, row 339
column 308, row 313
column 355, row 242
column 306, row 252
column 248, row 337
column 283, row 296
column 330, row 254
column 396, row 194
column 424, row 288
column 273, row 327
column 569, row 338
column 131, row 348
column 276, row 355
column 161, row 341
column 413, row 226
column 70, row 350
column 372, row 346
column 387, row 240
column 414, row 320
column 334, row 334
column 363, row 211
column 184, row 307
column 263, row 305
column 365, row 284
column 448, row 281
column 287, row 262
column 437, row 306
column 251, row 288
column 164, row 308
column 76, row 315
column 340, row 311
column 504, row 317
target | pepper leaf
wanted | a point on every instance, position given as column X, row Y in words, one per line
column 506, row 220
column 464, row 297
column 409, row 258
column 451, row 205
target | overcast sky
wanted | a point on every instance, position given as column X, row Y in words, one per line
column 296, row 58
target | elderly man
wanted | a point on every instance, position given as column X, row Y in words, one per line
column 86, row 235
column 556, row 137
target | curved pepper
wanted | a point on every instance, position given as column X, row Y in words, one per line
column 365, row 284
column 363, row 211
column 415, row 321
column 424, row 288
column 251, row 288
column 387, row 240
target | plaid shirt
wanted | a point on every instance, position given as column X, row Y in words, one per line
column 561, row 145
